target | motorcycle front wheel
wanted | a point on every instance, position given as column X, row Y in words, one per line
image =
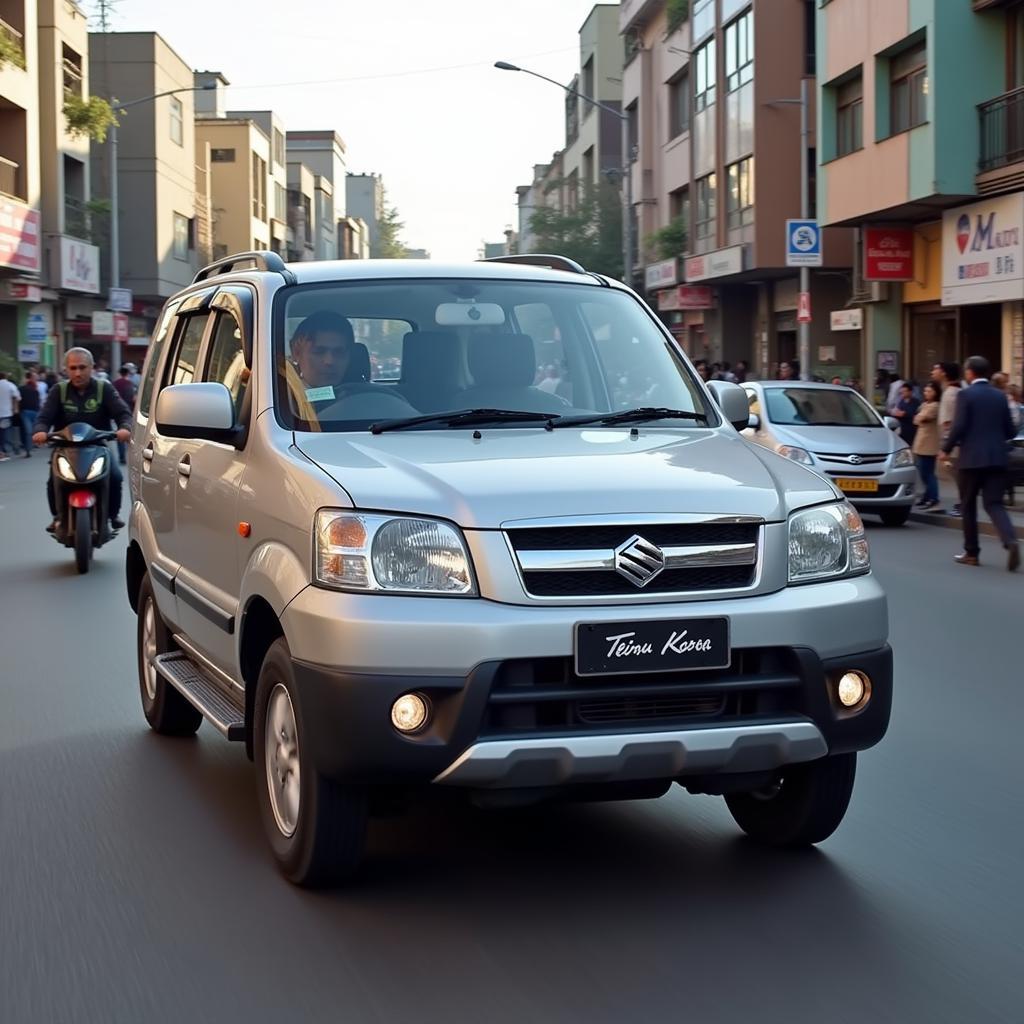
column 83, row 539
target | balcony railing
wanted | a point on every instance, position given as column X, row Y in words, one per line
column 72, row 78
column 1002, row 130
column 77, row 219
column 12, row 43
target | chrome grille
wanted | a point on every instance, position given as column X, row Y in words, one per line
column 853, row 459
column 610, row 560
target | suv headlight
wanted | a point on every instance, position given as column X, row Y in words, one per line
column 904, row 457
column 788, row 451
column 827, row 542
column 394, row 554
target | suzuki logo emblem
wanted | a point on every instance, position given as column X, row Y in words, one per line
column 854, row 460
column 639, row 561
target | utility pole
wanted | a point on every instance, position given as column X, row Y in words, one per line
column 803, row 328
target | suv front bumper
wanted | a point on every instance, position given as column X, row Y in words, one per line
column 509, row 711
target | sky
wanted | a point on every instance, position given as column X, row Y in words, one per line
column 409, row 86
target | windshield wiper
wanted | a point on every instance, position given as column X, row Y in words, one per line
column 629, row 416
column 465, row 418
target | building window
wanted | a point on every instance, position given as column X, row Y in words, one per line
column 850, row 116
column 588, row 85
column 740, row 193
column 810, row 38
column 633, row 130
column 908, row 89
column 181, row 232
column 280, row 201
column 739, row 52
column 259, row 187
column 572, row 112
column 222, row 156
column 72, row 64
column 703, row 18
column 177, row 121
column 705, row 224
column 679, row 105
column 704, row 90
column 679, row 213
column 278, row 148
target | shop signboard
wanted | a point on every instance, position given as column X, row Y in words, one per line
column 720, row 263
column 79, row 266
column 888, row 254
column 19, row 236
column 983, row 252
column 661, row 275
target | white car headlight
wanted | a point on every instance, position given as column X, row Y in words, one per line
column 394, row 554
column 788, row 451
column 827, row 542
column 96, row 468
column 64, row 468
column 904, row 457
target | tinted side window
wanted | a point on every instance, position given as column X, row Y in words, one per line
column 226, row 364
column 183, row 371
column 156, row 350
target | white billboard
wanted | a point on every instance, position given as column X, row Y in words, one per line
column 79, row 266
column 983, row 252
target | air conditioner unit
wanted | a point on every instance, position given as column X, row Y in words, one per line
column 870, row 291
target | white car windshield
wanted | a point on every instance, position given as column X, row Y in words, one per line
column 351, row 356
column 819, row 407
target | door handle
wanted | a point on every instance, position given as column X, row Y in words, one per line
column 148, row 452
column 185, row 466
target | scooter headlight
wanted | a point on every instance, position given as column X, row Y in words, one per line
column 64, row 468
column 96, row 468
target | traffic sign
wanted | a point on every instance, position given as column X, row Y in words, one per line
column 36, row 329
column 803, row 308
column 120, row 300
column 803, row 243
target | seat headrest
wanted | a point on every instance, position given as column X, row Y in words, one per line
column 358, row 364
column 507, row 360
column 431, row 368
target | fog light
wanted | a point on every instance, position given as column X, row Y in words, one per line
column 409, row 713
column 853, row 689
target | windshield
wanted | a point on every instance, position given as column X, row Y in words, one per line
column 819, row 407
column 353, row 355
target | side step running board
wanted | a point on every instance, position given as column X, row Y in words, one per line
column 202, row 693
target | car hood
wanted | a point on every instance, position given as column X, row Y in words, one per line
column 513, row 473
column 841, row 440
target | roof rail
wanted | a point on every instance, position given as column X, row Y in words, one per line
column 262, row 260
column 535, row 259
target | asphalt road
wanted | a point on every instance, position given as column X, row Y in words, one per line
column 135, row 886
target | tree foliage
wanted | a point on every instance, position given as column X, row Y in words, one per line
column 389, row 245
column 677, row 11
column 90, row 118
column 11, row 51
column 590, row 234
column 669, row 241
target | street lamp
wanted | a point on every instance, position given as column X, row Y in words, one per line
column 627, row 173
column 115, row 236
column 803, row 328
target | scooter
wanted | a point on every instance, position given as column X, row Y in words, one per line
column 81, row 469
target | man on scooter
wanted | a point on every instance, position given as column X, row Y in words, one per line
column 85, row 399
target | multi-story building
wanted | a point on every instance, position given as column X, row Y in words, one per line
column 364, row 198
column 71, row 235
column 301, row 212
column 593, row 137
column 529, row 199
column 20, row 221
column 921, row 121
column 712, row 89
column 156, row 174
column 354, row 238
column 323, row 152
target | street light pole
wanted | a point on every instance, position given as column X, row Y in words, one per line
column 115, row 235
column 804, row 328
column 627, row 172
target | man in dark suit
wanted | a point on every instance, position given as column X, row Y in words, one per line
column 981, row 427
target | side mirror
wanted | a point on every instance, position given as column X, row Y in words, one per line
column 754, row 421
column 892, row 423
column 733, row 402
column 201, row 411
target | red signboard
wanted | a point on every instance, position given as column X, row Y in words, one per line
column 803, row 309
column 888, row 254
column 19, row 236
column 686, row 296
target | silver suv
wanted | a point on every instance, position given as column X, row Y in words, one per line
column 402, row 524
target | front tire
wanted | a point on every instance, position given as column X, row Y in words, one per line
column 895, row 516
column 804, row 807
column 83, row 539
column 166, row 710
column 316, row 827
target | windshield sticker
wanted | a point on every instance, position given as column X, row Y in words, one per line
column 325, row 394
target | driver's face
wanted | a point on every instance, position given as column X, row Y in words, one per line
column 79, row 371
column 323, row 359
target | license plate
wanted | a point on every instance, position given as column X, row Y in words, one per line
column 862, row 486
column 666, row 645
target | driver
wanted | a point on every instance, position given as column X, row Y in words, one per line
column 321, row 351
column 84, row 398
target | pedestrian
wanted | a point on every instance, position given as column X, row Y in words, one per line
column 786, row 372
column 126, row 390
column 10, row 399
column 136, row 377
column 905, row 411
column 30, row 404
column 948, row 377
column 701, row 367
column 981, row 428
column 1001, row 382
column 926, row 445
column 741, row 371
column 892, row 397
